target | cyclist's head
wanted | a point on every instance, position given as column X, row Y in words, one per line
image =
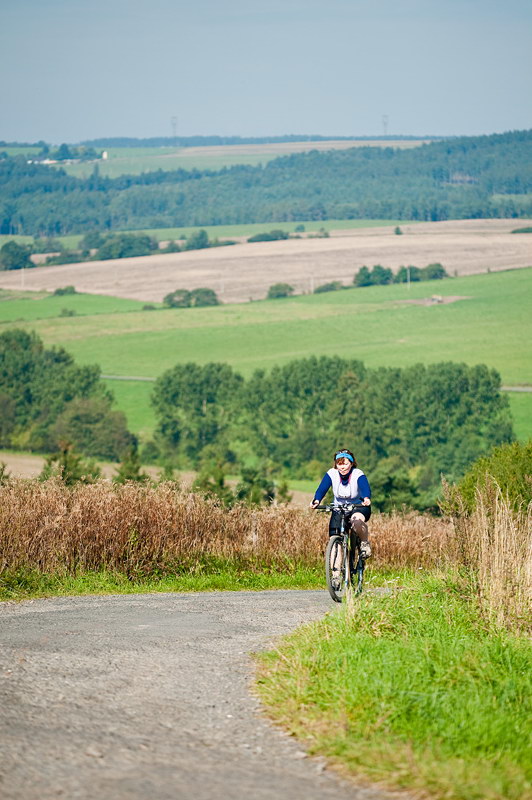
column 344, row 455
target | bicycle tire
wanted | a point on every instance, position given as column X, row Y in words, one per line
column 357, row 574
column 335, row 568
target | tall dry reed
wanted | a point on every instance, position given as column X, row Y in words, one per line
column 145, row 530
column 494, row 544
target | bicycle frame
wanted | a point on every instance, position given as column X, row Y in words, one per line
column 351, row 571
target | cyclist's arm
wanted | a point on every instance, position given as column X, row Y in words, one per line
column 364, row 490
column 322, row 490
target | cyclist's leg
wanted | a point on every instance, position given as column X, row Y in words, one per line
column 360, row 528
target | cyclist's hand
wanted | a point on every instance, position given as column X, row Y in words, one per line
column 314, row 503
column 366, row 501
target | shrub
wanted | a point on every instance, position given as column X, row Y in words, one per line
column 381, row 276
column 272, row 236
column 198, row 240
column 93, row 428
column 509, row 465
column 362, row 277
column 125, row 245
column 65, row 290
column 178, row 299
column 408, row 273
column 204, row 297
column 433, row 272
column 15, row 256
column 66, row 257
column 92, row 240
column 130, row 468
column 333, row 286
column 69, row 467
column 171, row 247
column 278, row 290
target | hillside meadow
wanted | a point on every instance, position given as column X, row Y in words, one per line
column 135, row 160
column 482, row 319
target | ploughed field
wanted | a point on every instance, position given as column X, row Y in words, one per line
column 245, row 271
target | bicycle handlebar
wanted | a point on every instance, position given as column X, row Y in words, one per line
column 338, row 507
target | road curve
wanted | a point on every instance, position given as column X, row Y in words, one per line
column 147, row 697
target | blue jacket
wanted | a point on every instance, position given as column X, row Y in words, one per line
column 352, row 488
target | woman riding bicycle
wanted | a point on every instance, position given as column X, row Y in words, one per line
column 349, row 485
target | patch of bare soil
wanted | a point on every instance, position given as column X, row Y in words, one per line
column 245, row 271
column 433, row 300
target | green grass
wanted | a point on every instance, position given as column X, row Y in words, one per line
column 151, row 159
column 24, row 585
column 133, row 398
column 31, row 306
column 492, row 326
column 412, row 690
column 71, row 242
column 521, row 407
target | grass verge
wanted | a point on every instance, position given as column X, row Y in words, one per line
column 25, row 584
column 411, row 690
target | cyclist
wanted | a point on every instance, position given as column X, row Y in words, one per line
column 349, row 485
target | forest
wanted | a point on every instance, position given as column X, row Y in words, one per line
column 469, row 177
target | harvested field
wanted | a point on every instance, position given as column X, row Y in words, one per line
column 277, row 149
column 245, row 271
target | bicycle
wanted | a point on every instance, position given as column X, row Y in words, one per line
column 341, row 571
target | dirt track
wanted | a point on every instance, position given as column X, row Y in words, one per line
column 146, row 697
column 245, row 271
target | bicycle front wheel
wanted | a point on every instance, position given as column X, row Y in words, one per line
column 336, row 568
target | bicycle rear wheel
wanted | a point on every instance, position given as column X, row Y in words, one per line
column 335, row 568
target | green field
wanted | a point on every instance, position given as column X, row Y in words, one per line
column 32, row 306
column 134, row 160
column 228, row 231
column 491, row 324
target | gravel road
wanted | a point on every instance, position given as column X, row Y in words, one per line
column 147, row 696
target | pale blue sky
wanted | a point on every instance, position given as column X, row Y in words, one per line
column 79, row 69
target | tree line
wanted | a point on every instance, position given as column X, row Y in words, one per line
column 485, row 176
column 407, row 426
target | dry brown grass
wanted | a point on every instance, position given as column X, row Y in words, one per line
column 146, row 530
column 494, row 544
